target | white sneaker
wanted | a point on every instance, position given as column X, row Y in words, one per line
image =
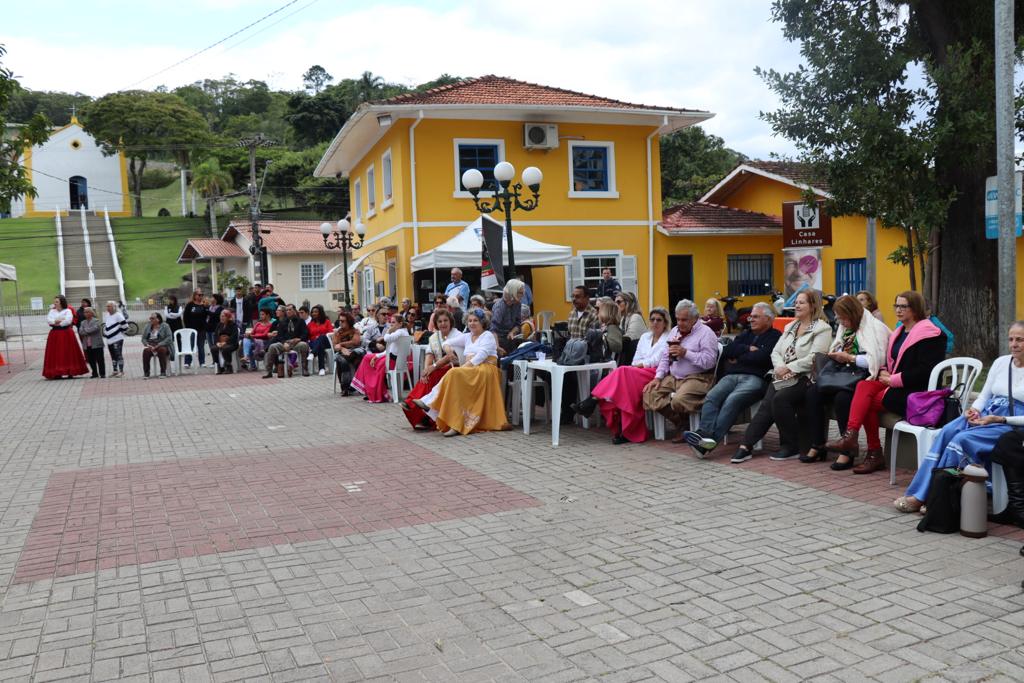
column 323, row 372
column 309, row 357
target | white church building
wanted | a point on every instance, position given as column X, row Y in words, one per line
column 70, row 172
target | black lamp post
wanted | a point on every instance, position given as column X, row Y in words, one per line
column 344, row 238
column 506, row 198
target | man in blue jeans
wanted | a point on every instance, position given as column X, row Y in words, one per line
column 745, row 362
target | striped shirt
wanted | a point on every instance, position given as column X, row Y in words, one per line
column 113, row 327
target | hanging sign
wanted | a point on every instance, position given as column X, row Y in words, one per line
column 801, row 269
column 805, row 225
column 992, row 206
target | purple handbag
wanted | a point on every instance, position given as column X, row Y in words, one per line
column 927, row 408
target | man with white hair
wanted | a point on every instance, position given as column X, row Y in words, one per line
column 458, row 286
column 746, row 362
column 687, row 368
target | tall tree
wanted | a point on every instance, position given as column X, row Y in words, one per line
column 143, row 123
column 211, row 181
column 692, row 162
column 316, row 78
column 56, row 106
column 913, row 154
column 14, row 180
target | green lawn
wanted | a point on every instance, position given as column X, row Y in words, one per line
column 30, row 244
column 148, row 250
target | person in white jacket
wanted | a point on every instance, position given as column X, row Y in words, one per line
column 113, row 336
column 861, row 340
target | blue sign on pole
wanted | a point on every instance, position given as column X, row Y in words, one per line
column 992, row 206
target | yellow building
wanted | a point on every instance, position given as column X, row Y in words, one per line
column 600, row 196
column 753, row 252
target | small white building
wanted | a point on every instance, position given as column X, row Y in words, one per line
column 69, row 171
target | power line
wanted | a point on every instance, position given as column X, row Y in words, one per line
column 210, row 47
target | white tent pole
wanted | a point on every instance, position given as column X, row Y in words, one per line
column 3, row 316
column 21, row 329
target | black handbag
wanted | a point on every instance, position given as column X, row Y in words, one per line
column 951, row 408
column 832, row 376
column 942, row 503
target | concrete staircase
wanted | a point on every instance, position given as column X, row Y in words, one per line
column 86, row 251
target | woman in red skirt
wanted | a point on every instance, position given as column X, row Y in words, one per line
column 63, row 356
column 440, row 358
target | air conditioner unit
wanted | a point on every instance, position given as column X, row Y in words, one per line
column 540, row 136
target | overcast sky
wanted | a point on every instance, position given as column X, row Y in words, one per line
column 696, row 54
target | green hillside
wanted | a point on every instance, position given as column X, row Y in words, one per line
column 30, row 244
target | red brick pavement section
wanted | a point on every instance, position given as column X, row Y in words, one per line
column 16, row 363
column 866, row 488
column 138, row 386
column 134, row 514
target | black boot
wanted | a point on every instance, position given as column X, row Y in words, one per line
column 1014, row 512
column 585, row 407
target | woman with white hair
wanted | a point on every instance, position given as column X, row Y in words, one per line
column 507, row 315
column 713, row 316
column 114, row 325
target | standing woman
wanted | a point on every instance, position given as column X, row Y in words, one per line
column 320, row 329
column 172, row 314
column 213, row 308
column 468, row 398
column 439, row 359
column 792, row 360
column 348, row 351
column 226, row 344
column 90, row 330
column 861, row 339
column 194, row 317
column 915, row 347
column 113, row 334
column 63, row 357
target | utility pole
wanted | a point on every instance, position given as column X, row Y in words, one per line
column 871, row 277
column 1007, row 247
column 257, row 249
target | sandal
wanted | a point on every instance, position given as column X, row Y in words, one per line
column 903, row 504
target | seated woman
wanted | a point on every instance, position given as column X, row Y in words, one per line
column 870, row 304
column 371, row 378
column 915, row 347
column 256, row 341
column 620, row 394
column 507, row 315
column 440, row 358
column 440, row 304
column 348, row 351
column 974, row 434
column 631, row 318
column 792, row 360
column 608, row 317
column 861, row 339
column 468, row 398
column 158, row 340
column 320, row 329
column 713, row 316
column 225, row 343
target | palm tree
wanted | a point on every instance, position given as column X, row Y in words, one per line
column 211, row 181
column 368, row 86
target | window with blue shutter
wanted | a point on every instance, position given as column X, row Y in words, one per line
column 851, row 275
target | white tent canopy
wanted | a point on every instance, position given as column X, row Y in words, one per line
column 464, row 249
column 10, row 273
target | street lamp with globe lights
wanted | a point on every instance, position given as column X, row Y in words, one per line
column 345, row 238
column 507, row 198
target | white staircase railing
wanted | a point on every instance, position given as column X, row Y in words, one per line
column 88, row 256
column 113, row 254
column 60, row 250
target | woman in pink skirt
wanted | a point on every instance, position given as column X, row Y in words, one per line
column 371, row 378
column 620, row 394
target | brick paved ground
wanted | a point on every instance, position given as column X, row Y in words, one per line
column 195, row 529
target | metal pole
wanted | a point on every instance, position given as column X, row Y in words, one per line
column 510, row 272
column 344, row 267
column 1005, row 168
column 871, row 278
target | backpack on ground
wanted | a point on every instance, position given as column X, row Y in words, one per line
column 942, row 506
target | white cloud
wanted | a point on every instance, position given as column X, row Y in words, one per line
column 686, row 53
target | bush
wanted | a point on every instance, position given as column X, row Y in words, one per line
column 155, row 178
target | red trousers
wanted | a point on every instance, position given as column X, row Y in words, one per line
column 865, row 409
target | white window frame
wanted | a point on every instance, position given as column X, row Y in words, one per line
column 368, row 286
column 462, row 194
column 387, row 170
column 371, row 192
column 357, row 200
column 612, row 191
column 323, row 269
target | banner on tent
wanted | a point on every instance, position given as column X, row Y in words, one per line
column 491, row 251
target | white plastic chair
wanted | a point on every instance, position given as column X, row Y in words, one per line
column 514, row 387
column 657, row 420
column 403, row 349
column 1000, row 494
column 963, row 371
column 186, row 344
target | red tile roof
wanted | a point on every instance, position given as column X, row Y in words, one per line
column 703, row 217
column 292, row 237
column 796, row 171
column 210, row 248
column 499, row 90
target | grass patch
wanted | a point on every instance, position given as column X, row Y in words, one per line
column 148, row 250
column 30, row 245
